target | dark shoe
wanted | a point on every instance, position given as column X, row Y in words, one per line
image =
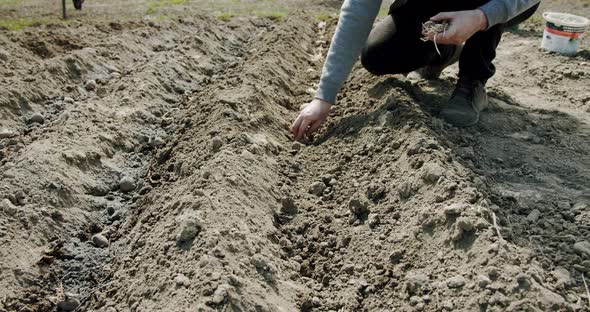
column 78, row 4
column 433, row 71
column 467, row 101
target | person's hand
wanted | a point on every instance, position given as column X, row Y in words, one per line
column 310, row 118
column 462, row 25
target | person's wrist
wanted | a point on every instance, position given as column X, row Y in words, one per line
column 322, row 101
column 482, row 20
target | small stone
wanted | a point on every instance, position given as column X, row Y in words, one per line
column 456, row 282
column 90, row 85
column 534, row 216
column 8, row 207
column 37, row 118
column 375, row 191
column 386, row 119
column 100, row 241
column 432, row 172
column 296, row 146
column 415, row 281
column 68, row 100
column 5, row 133
column 405, row 190
column 493, row 248
column 20, row 198
column 4, row 55
column 467, row 152
column 358, row 205
column 114, row 75
column 70, row 303
column 448, row 306
column 189, row 229
column 181, row 280
column 483, row 281
column 562, row 276
column 348, row 268
column 498, row 299
column 563, row 205
column 414, row 300
column 374, row 220
column 383, row 139
column 582, row 248
column 396, row 256
column 127, row 184
column 220, row 294
column 156, row 142
column 317, row 188
column 216, row 144
column 465, row 224
column 288, row 206
column 456, row 209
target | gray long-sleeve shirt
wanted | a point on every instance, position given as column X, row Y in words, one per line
column 354, row 26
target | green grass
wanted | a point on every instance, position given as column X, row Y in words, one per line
column 271, row 15
column 8, row 3
column 225, row 16
column 325, row 16
column 20, row 23
column 155, row 5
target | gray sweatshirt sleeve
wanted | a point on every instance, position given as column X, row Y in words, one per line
column 501, row 11
column 354, row 25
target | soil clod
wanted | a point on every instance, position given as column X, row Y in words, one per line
column 317, row 188
column 70, row 303
column 100, row 241
column 127, row 184
column 189, row 229
column 582, row 248
column 456, row 282
column 90, row 85
column 37, row 118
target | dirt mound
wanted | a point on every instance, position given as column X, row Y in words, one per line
column 77, row 128
column 169, row 141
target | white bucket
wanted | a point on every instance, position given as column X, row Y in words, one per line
column 563, row 32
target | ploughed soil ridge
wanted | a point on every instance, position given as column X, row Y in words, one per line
column 150, row 168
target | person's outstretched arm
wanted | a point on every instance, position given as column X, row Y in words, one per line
column 354, row 25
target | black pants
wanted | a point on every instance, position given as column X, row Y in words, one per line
column 394, row 45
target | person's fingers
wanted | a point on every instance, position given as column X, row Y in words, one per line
column 296, row 124
column 302, row 129
column 445, row 38
column 315, row 126
column 443, row 16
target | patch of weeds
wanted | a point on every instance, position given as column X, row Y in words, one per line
column 8, row 3
column 160, row 18
column 20, row 23
column 226, row 16
column 536, row 20
column 271, row 15
column 325, row 16
column 154, row 5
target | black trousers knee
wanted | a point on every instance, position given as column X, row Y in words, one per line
column 394, row 45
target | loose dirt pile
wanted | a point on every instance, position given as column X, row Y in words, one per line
column 170, row 141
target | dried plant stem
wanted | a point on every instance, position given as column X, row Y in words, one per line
column 496, row 226
column 587, row 291
column 434, row 28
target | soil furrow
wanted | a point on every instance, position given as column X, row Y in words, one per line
column 61, row 176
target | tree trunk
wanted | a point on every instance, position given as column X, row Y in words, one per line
column 63, row 9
